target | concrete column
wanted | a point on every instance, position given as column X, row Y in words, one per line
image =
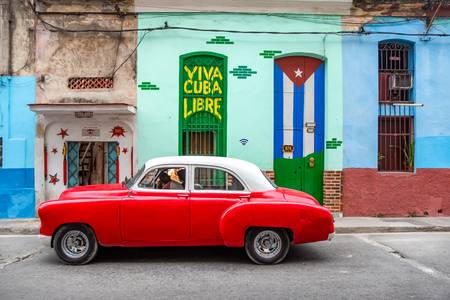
column 39, row 180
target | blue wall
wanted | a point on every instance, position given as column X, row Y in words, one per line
column 431, row 87
column 17, row 128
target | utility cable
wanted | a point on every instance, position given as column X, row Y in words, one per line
column 167, row 27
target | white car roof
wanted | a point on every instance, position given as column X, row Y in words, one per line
column 247, row 171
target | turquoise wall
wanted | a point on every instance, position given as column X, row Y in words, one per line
column 17, row 130
column 431, row 88
column 250, row 100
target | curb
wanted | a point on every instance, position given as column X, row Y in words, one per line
column 20, row 231
column 386, row 229
column 20, row 226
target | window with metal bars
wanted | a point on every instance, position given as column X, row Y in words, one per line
column 395, row 115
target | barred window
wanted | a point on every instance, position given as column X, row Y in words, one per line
column 395, row 115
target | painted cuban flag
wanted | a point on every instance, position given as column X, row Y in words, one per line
column 299, row 106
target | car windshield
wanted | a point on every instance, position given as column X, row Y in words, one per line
column 133, row 179
column 268, row 179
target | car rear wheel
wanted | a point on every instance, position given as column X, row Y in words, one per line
column 75, row 244
column 267, row 245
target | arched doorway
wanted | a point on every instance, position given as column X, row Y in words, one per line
column 203, row 90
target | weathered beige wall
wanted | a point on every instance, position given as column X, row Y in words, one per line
column 63, row 55
column 22, row 38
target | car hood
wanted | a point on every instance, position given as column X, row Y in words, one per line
column 98, row 191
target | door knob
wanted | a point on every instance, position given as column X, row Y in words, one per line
column 311, row 162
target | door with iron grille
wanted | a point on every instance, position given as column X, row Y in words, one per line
column 203, row 90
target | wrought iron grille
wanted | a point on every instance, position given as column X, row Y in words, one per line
column 395, row 72
column 201, row 135
column 72, row 163
column 112, row 159
column 395, row 117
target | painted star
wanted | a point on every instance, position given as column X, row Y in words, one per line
column 298, row 73
column 124, row 150
column 118, row 131
column 54, row 150
column 53, row 179
column 63, row 133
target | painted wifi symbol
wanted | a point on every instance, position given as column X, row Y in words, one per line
column 243, row 141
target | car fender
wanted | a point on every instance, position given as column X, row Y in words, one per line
column 101, row 216
column 308, row 223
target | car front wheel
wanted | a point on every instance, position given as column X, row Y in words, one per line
column 75, row 244
column 267, row 245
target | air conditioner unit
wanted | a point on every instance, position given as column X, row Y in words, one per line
column 400, row 81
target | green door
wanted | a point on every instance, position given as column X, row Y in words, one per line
column 299, row 88
column 290, row 173
column 203, row 91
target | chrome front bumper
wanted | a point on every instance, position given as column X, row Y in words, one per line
column 331, row 236
column 45, row 240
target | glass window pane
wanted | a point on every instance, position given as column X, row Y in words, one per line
column 234, row 184
column 209, row 179
column 172, row 178
column 146, row 182
column 216, row 179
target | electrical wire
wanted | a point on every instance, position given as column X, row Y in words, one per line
column 167, row 27
column 119, row 41
column 131, row 54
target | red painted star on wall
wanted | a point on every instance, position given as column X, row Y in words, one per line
column 124, row 150
column 54, row 150
column 118, row 131
column 53, row 179
column 63, row 133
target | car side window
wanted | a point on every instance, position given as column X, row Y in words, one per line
column 215, row 179
column 167, row 178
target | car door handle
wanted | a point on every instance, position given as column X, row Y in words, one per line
column 244, row 197
column 183, row 195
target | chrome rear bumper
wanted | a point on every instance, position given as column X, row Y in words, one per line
column 331, row 236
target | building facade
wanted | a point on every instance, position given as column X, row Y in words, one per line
column 17, row 123
column 397, row 134
column 328, row 97
column 17, row 147
column 85, row 96
column 275, row 100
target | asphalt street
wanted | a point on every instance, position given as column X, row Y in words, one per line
column 353, row 266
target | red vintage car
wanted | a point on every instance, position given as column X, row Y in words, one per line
column 185, row 201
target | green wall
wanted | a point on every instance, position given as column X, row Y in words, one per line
column 250, row 100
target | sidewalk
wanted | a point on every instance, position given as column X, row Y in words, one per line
column 342, row 225
column 376, row 225
column 19, row 226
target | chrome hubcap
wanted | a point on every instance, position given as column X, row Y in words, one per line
column 267, row 244
column 75, row 244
